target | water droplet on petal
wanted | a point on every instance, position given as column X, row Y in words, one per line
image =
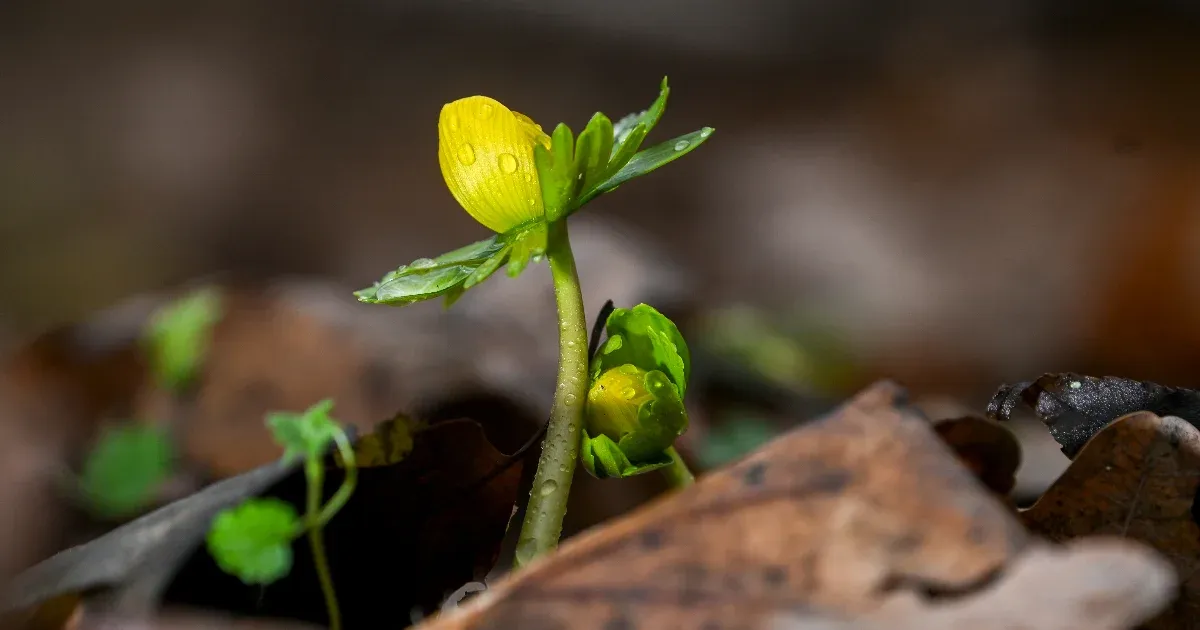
column 532, row 202
column 681, row 145
column 548, row 488
column 528, row 178
column 628, row 393
column 508, row 163
column 466, row 154
column 486, row 110
column 453, row 122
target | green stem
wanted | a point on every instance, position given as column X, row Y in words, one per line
column 677, row 473
column 315, row 471
column 343, row 493
column 556, row 467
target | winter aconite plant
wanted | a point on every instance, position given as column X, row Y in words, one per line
column 253, row 540
column 523, row 184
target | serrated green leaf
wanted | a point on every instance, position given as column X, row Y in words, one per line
column 304, row 435
column 556, row 172
column 651, row 159
column 124, row 469
column 253, row 541
column 179, row 334
column 647, row 339
column 592, row 152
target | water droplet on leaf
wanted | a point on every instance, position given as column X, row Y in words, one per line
column 422, row 263
column 706, row 132
column 508, row 163
column 681, row 145
column 466, row 154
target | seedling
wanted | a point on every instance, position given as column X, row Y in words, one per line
column 253, row 540
column 523, row 184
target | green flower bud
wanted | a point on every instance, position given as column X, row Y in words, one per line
column 635, row 407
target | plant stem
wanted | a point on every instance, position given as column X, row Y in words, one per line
column 677, row 473
column 314, row 470
column 556, row 467
column 343, row 493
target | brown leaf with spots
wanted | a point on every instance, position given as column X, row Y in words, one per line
column 826, row 518
column 1137, row 479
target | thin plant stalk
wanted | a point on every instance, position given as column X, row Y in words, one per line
column 677, row 473
column 556, row 467
column 315, row 472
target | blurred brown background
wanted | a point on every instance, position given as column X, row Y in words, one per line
column 968, row 192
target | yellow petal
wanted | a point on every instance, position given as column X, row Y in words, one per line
column 486, row 153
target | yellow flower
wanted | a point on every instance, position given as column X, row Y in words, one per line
column 486, row 154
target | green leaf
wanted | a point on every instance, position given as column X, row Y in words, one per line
column 643, row 337
column 528, row 245
column 253, row 541
column 623, row 130
column 304, row 435
column 427, row 278
column 178, row 336
column 592, row 152
column 603, row 459
column 649, row 160
column 124, row 469
column 556, row 172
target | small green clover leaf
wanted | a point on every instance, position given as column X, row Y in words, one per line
column 178, row 336
column 304, row 435
column 643, row 337
column 253, row 541
column 124, row 469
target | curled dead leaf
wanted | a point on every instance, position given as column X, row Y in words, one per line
column 987, row 449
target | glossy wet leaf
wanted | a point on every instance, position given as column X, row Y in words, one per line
column 253, row 541
column 124, row 469
column 451, row 274
column 643, row 337
column 649, row 160
column 623, row 131
column 1076, row 407
column 593, row 150
column 178, row 336
column 304, row 435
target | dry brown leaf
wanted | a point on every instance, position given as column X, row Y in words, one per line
column 824, row 518
column 1092, row 585
column 1137, row 479
column 987, row 449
